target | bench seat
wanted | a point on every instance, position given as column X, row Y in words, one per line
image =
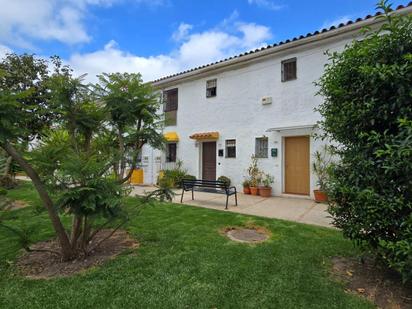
column 208, row 186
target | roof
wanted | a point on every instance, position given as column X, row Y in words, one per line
column 205, row 135
column 260, row 51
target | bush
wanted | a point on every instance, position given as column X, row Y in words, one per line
column 190, row 177
column 368, row 111
column 175, row 176
column 225, row 179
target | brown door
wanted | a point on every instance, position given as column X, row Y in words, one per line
column 209, row 161
column 297, row 165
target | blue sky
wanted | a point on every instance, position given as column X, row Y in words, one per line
column 160, row 37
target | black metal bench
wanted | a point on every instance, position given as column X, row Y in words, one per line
column 208, row 186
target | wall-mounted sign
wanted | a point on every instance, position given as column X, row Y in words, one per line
column 220, row 152
column 274, row 152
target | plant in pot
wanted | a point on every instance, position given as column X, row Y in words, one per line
column 254, row 175
column 246, row 186
column 321, row 166
column 266, row 189
column 254, row 189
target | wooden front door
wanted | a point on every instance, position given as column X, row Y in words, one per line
column 297, row 165
column 209, row 161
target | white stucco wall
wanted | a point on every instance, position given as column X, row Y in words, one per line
column 237, row 112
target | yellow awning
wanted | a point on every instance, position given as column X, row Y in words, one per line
column 205, row 136
column 171, row 136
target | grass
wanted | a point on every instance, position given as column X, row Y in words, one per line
column 184, row 262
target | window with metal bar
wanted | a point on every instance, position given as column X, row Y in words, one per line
column 211, row 88
column 261, row 147
column 170, row 105
column 289, row 69
column 230, row 148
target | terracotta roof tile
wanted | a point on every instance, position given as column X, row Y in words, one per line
column 280, row 43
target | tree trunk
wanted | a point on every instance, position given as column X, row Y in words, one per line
column 122, row 154
column 76, row 231
column 85, row 238
column 132, row 167
column 7, row 166
column 139, row 146
column 64, row 241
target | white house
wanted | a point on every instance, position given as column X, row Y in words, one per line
column 258, row 103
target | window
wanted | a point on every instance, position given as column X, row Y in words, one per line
column 230, row 148
column 261, row 147
column 170, row 100
column 170, row 104
column 211, row 86
column 289, row 69
column 171, row 152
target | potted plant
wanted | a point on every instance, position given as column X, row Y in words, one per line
column 246, row 186
column 321, row 165
column 254, row 175
column 254, row 186
column 266, row 189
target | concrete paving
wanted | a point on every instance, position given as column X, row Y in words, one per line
column 288, row 208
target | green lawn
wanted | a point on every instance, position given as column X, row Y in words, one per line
column 183, row 262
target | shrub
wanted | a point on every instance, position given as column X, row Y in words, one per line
column 368, row 111
column 268, row 180
column 246, row 183
column 190, row 177
column 176, row 175
column 163, row 193
column 225, row 180
column 254, row 173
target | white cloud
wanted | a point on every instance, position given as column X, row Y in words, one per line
column 266, row 4
column 112, row 59
column 4, row 50
column 22, row 21
column 195, row 49
column 182, row 32
column 254, row 35
column 340, row 20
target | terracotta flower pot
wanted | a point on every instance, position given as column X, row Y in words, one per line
column 320, row 196
column 246, row 190
column 254, row 190
column 265, row 191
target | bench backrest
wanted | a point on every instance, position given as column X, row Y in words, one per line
column 201, row 183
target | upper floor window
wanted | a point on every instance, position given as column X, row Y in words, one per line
column 211, row 87
column 289, row 69
column 170, row 105
column 230, row 148
column 170, row 100
column 261, row 147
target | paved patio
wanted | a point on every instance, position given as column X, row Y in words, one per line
column 287, row 208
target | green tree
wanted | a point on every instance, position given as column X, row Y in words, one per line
column 70, row 156
column 368, row 111
column 133, row 117
column 24, row 114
